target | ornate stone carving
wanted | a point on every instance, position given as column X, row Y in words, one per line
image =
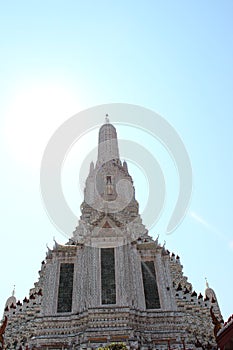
column 2, row 331
column 110, row 219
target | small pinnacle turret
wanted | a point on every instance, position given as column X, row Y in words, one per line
column 210, row 294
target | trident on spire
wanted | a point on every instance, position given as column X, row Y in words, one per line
column 13, row 291
column 106, row 119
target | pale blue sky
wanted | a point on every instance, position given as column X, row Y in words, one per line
column 174, row 57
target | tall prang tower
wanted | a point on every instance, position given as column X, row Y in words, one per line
column 111, row 282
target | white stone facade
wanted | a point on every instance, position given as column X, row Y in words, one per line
column 110, row 220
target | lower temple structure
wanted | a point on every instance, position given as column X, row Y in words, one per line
column 225, row 335
column 111, row 282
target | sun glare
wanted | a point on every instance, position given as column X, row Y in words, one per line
column 35, row 112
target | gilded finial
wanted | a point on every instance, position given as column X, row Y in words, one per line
column 206, row 282
column 106, row 118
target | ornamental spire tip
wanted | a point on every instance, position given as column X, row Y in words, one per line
column 106, row 118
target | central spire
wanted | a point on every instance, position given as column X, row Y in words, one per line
column 109, row 212
column 108, row 144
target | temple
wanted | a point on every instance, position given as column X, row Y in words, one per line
column 111, row 282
